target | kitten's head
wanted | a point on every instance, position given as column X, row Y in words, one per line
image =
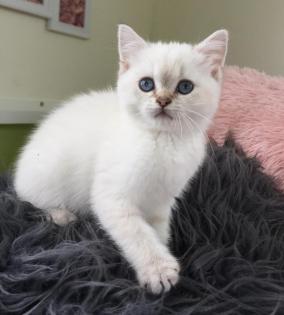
column 170, row 87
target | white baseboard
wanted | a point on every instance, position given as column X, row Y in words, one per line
column 24, row 111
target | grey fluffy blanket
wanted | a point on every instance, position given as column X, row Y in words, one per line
column 227, row 233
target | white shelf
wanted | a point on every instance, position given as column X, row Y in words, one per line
column 24, row 111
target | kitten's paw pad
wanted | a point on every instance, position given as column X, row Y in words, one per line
column 161, row 274
column 62, row 216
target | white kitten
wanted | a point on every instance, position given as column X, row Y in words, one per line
column 126, row 154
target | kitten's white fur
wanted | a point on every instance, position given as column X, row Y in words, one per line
column 109, row 152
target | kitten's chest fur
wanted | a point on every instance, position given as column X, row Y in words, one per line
column 151, row 169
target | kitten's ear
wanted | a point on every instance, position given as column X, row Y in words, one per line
column 129, row 43
column 214, row 49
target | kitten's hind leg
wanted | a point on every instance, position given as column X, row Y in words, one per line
column 62, row 216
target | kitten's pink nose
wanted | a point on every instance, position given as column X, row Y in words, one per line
column 163, row 101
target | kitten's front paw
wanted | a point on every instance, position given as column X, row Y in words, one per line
column 161, row 273
column 62, row 216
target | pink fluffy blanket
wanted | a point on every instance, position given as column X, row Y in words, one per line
column 252, row 107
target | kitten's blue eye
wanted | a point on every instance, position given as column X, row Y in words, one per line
column 146, row 84
column 185, row 87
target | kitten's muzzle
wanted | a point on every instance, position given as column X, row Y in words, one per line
column 163, row 101
column 162, row 113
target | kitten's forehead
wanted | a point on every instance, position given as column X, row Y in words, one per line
column 169, row 62
column 167, row 71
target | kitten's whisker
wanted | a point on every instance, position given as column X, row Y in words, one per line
column 199, row 104
column 175, row 122
column 192, row 104
column 179, row 120
column 204, row 133
column 200, row 130
column 198, row 114
column 188, row 124
column 209, row 142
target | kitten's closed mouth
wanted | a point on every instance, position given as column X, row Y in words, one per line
column 163, row 114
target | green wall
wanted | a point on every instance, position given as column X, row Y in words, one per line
column 255, row 26
column 38, row 64
column 12, row 137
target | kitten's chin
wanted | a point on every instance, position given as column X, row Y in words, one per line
column 162, row 122
column 159, row 121
column 163, row 115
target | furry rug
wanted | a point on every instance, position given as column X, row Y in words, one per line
column 252, row 106
column 228, row 233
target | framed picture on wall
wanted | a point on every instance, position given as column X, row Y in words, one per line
column 72, row 17
column 35, row 7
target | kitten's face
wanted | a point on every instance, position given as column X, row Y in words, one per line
column 169, row 87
